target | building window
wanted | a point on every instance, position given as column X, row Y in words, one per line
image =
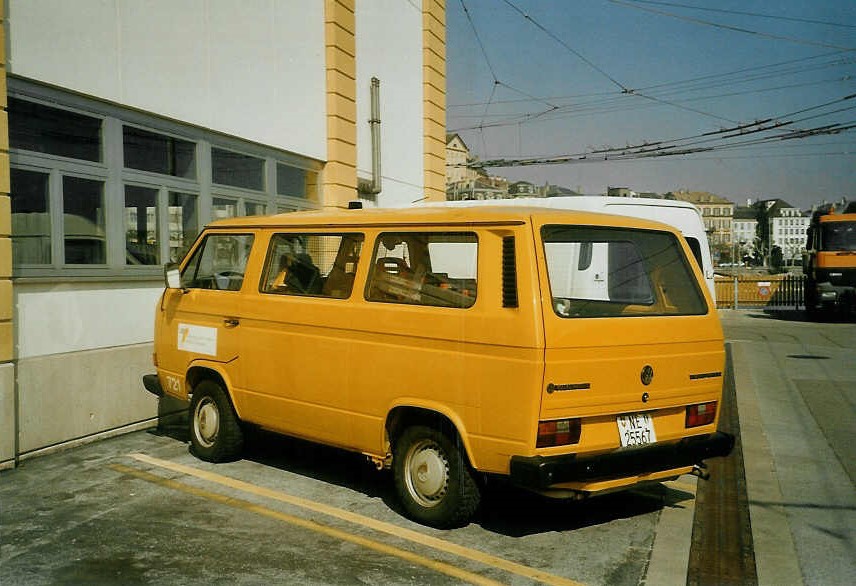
column 84, row 235
column 141, row 226
column 290, row 181
column 183, row 223
column 42, row 129
column 98, row 189
column 222, row 207
column 254, row 208
column 158, row 153
column 31, row 222
column 237, row 170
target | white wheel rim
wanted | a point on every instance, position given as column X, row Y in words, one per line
column 426, row 473
column 206, row 422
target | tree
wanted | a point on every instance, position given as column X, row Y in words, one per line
column 776, row 259
column 762, row 230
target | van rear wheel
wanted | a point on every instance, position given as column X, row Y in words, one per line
column 215, row 431
column 434, row 482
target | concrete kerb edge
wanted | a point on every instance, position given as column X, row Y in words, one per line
column 670, row 552
column 138, row 426
column 776, row 559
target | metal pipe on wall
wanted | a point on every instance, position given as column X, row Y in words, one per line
column 373, row 187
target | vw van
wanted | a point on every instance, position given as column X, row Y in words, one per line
column 571, row 353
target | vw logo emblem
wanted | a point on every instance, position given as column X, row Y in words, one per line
column 647, row 375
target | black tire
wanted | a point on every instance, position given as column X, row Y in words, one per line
column 433, row 480
column 215, row 431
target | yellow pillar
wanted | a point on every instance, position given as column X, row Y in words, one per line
column 339, row 184
column 434, row 98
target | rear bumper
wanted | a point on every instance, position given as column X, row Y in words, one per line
column 152, row 384
column 541, row 472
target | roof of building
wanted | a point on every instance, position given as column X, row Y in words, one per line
column 745, row 213
column 700, row 197
column 452, row 136
column 774, row 207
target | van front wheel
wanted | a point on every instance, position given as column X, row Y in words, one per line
column 215, row 432
column 432, row 478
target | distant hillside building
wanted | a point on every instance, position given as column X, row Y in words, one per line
column 523, row 189
column 717, row 213
column 788, row 226
column 457, row 157
column 745, row 227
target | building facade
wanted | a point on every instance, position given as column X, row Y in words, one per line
column 128, row 126
column 745, row 228
column 717, row 213
column 788, row 229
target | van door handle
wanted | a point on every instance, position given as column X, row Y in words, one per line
column 231, row 322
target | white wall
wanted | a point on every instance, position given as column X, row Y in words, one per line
column 253, row 69
column 69, row 317
column 389, row 47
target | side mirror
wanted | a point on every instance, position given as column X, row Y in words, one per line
column 172, row 276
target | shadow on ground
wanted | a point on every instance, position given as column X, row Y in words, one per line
column 506, row 509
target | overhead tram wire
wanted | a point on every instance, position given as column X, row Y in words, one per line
column 516, row 120
column 630, row 4
column 617, row 103
column 555, row 111
column 743, row 13
column 496, row 81
column 693, row 144
column 592, row 109
column 556, row 38
column 715, row 79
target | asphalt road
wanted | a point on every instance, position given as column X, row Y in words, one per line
column 139, row 509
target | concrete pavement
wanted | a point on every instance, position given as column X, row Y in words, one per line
column 796, row 393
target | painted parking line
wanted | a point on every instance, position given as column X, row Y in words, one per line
column 377, row 546
column 357, row 519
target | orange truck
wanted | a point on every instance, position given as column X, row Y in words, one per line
column 830, row 260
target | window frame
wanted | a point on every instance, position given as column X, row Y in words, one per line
column 616, row 308
column 372, row 269
column 112, row 172
column 265, row 277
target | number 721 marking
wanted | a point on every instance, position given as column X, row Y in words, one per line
column 173, row 384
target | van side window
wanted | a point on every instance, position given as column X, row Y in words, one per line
column 318, row 265
column 218, row 263
column 696, row 248
column 425, row 268
column 627, row 273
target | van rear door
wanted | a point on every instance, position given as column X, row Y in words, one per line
column 628, row 331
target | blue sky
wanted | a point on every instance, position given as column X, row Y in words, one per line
column 751, row 88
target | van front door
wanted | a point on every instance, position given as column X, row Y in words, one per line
column 201, row 319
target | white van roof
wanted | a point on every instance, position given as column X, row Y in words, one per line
column 680, row 214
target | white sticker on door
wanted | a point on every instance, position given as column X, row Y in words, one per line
column 197, row 339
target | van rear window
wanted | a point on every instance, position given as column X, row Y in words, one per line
column 610, row 272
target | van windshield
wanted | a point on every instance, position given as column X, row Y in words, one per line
column 610, row 272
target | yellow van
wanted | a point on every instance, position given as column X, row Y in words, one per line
column 574, row 353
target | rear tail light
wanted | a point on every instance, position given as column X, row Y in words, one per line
column 155, row 359
column 558, row 432
column 701, row 414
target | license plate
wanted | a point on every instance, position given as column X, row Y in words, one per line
column 636, row 429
